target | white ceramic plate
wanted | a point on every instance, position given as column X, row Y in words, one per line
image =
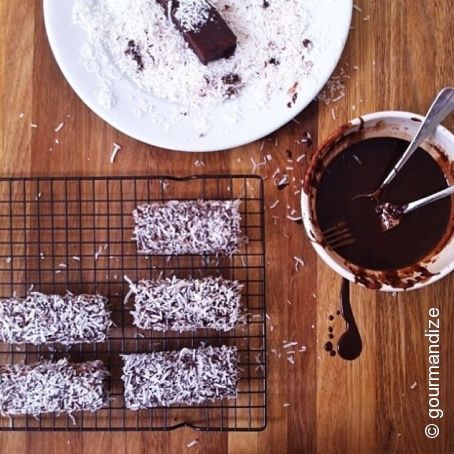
column 66, row 40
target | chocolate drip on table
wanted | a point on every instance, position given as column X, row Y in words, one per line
column 349, row 345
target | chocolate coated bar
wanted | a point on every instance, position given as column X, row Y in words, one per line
column 208, row 35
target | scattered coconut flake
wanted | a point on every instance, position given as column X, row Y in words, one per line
column 76, row 258
column 199, row 163
column 33, row 125
column 275, row 174
column 289, row 344
column 274, row 204
column 192, row 443
column 298, row 261
column 300, row 157
column 256, row 165
column 334, row 88
column 286, row 405
column 414, row 385
column 355, row 157
column 59, row 127
column 98, row 253
column 283, row 182
column 116, row 149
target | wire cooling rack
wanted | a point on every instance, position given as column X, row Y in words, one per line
column 76, row 234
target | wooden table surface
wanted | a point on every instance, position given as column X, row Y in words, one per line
column 398, row 55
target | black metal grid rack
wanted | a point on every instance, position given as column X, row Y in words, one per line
column 76, row 234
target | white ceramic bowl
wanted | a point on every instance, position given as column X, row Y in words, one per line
column 401, row 125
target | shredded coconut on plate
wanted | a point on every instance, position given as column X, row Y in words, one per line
column 135, row 38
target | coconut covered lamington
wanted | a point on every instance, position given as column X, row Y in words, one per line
column 199, row 227
column 181, row 305
column 45, row 387
column 185, row 377
column 41, row 318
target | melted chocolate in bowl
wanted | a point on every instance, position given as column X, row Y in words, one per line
column 360, row 169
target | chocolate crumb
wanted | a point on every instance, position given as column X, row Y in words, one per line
column 307, row 138
column 233, row 81
column 134, row 51
column 307, row 43
column 266, row 4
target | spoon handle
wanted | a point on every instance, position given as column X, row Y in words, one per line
column 439, row 110
column 429, row 199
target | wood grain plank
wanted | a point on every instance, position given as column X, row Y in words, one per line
column 16, row 69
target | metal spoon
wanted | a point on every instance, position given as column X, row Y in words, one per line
column 390, row 214
column 439, row 110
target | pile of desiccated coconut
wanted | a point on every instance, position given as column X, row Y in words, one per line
column 275, row 47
